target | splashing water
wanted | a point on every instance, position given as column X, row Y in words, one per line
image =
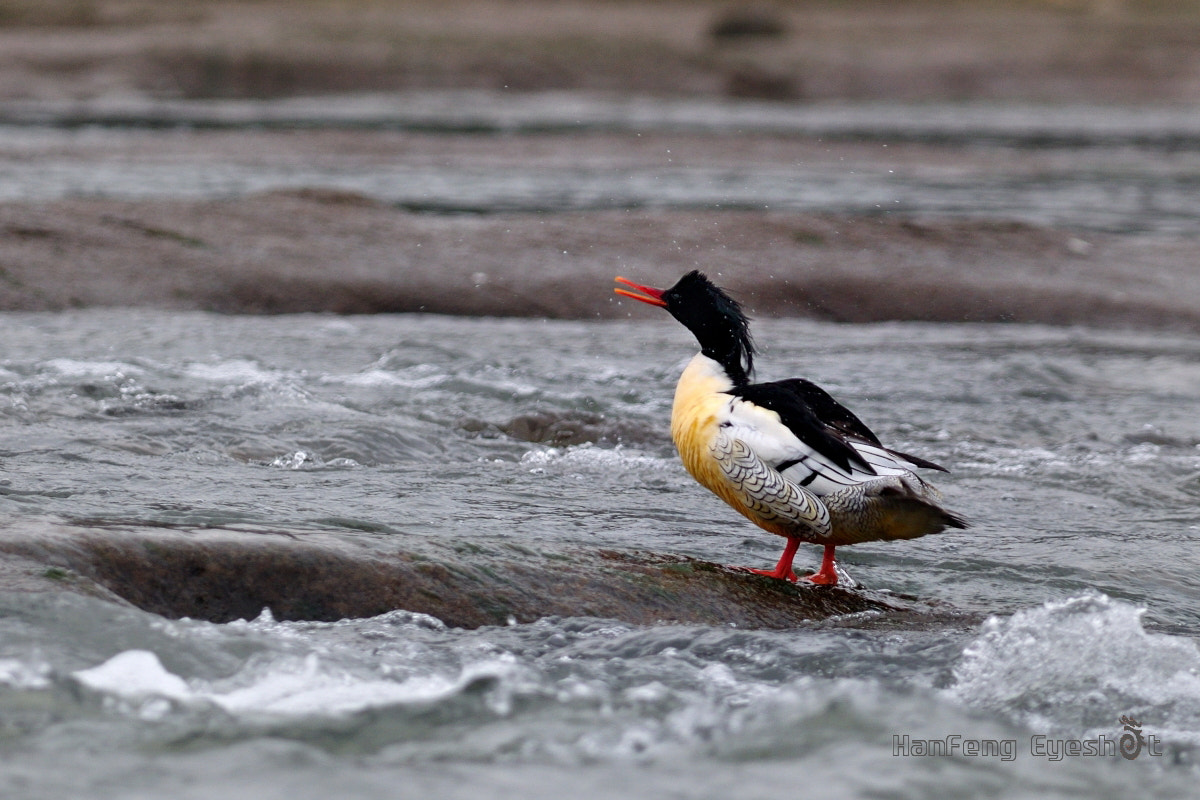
column 384, row 431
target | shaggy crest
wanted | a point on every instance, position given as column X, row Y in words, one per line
column 717, row 321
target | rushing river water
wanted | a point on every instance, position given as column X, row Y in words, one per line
column 1075, row 596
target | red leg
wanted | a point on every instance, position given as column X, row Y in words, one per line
column 783, row 570
column 827, row 574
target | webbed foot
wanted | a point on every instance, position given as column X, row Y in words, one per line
column 790, row 575
column 827, row 574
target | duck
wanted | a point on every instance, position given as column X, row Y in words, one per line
column 785, row 454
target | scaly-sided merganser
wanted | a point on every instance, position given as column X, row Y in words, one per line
column 784, row 454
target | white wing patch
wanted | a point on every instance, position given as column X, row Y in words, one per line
column 885, row 463
column 763, row 433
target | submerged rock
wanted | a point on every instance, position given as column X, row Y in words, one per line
column 747, row 22
column 564, row 430
column 223, row 575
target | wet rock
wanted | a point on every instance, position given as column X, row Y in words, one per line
column 562, row 430
column 747, row 22
column 21, row 574
column 325, row 196
column 271, row 254
column 223, row 575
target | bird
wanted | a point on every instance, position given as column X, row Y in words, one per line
column 785, row 454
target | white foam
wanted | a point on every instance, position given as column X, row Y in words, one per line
column 420, row 376
column 134, row 675
column 307, row 687
column 287, row 686
column 236, row 371
column 71, row 368
column 589, row 457
column 20, row 675
column 1080, row 662
column 296, row 460
column 302, row 459
column 266, row 622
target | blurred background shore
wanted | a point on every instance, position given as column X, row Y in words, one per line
column 1026, row 161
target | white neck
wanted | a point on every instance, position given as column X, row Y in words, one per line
column 697, row 394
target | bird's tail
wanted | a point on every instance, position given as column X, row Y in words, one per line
column 889, row 508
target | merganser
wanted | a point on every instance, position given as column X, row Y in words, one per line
column 784, row 454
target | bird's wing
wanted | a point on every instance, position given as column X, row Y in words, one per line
column 798, row 391
column 810, row 438
column 767, row 494
column 842, row 420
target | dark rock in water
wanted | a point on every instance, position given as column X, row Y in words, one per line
column 327, row 196
column 564, row 430
column 747, row 22
column 223, row 575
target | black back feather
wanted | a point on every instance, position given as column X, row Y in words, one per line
column 828, row 410
column 815, row 417
column 841, row 419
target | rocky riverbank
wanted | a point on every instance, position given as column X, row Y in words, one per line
column 320, row 250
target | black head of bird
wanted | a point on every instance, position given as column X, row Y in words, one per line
column 714, row 318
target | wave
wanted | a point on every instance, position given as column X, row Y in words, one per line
column 285, row 688
column 1078, row 665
